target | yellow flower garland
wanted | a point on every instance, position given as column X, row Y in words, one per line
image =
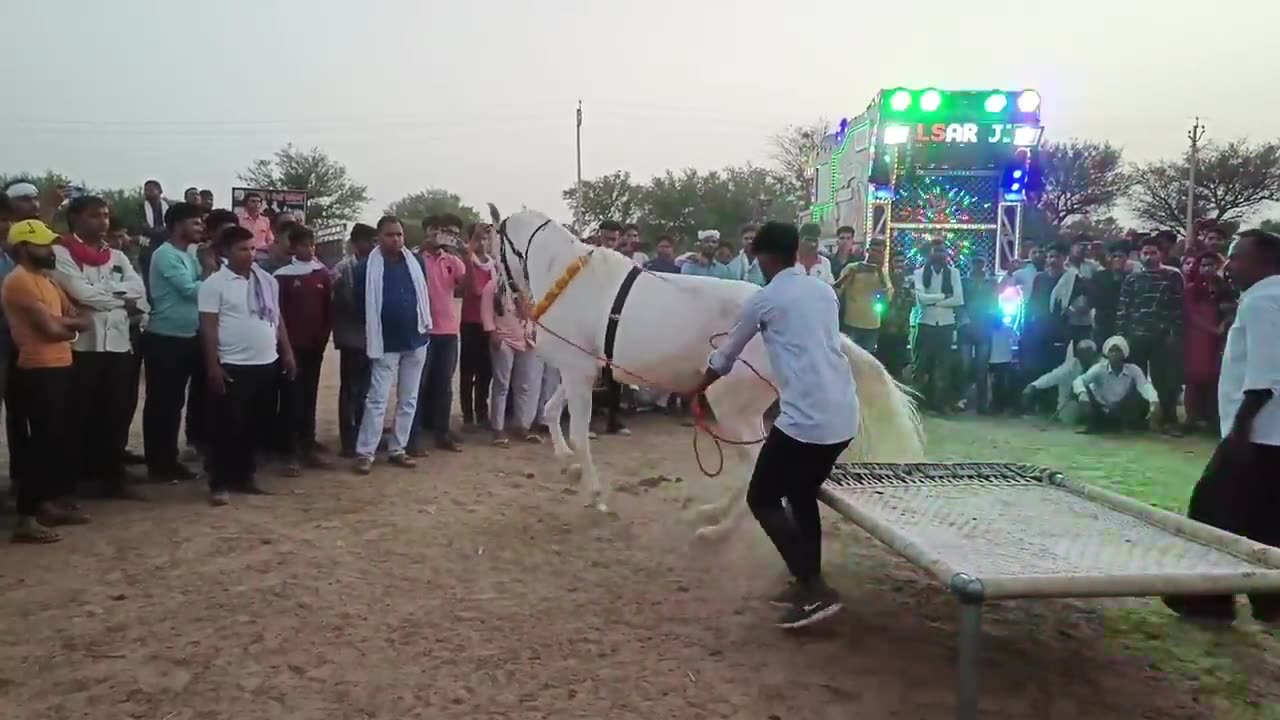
column 558, row 287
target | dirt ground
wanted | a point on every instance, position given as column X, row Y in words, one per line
column 478, row 587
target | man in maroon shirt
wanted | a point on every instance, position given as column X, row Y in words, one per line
column 306, row 293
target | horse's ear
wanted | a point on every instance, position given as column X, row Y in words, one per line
column 494, row 214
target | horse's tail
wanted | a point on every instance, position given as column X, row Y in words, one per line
column 890, row 429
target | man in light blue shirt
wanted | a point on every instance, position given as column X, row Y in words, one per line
column 170, row 349
column 797, row 316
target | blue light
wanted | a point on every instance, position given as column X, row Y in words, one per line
column 1015, row 187
column 1017, row 174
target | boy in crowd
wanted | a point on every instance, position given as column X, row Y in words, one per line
column 43, row 322
column 939, row 291
column 349, row 339
column 864, row 291
column 1150, row 317
column 103, row 284
column 245, row 344
column 306, row 294
column 170, row 346
column 445, row 274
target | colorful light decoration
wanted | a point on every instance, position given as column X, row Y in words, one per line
column 962, row 245
column 934, row 200
column 931, row 100
column 996, row 102
column 1029, row 101
column 900, row 100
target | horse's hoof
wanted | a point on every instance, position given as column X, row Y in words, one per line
column 604, row 509
column 573, row 472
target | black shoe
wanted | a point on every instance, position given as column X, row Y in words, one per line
column 132, row 458
column 811, row 606
column 347, row 454
column 174, row 474
column 250, row 489
column 448, row 444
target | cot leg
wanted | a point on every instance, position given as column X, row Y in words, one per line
column 967, row 660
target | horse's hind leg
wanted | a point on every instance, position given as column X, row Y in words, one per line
column 732, row 508
column 578, row 392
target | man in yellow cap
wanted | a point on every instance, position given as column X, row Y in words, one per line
column 43, row 323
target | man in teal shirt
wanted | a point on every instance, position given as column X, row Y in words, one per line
column 170, row 348
column 703, row 262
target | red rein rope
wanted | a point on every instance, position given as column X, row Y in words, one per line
column 699, row 420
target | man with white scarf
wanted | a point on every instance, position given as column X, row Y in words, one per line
column 1115, row 392
column 391, row 291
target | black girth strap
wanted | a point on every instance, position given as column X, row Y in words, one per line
column 615, row 313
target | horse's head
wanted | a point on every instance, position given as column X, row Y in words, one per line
column 520, row 237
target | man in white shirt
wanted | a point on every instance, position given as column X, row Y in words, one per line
column 1117, row 393
column 1238, row 491
column 809, row 260
column 797, row 316
column 938, row 292
column 1063, row 378
column 104, row 284
column 245, row 347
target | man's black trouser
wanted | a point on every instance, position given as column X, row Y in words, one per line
column 435, row 394
column 933, row 364
column 168, row 363
column 299, row 397
column 353, row 387
column 1161, row 359
column 100, row 416
column 238, row 424
column 794, row 470
column 42, row 397
column 476, row 373
column 1241, row 497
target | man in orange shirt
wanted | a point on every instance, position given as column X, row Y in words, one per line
column 43, row 323
column 255, row 222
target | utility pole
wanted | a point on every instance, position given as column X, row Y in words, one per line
column 1195, row 135
column 577, row 213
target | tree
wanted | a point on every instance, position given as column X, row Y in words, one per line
column 1233, row 182
column 431, row 201
column 413, row 208
column 608, row 197
column 1103, row 227
column 794, row 150
column 126, row 204
column 1081, row 177
column 332, row 195
column 683, row 203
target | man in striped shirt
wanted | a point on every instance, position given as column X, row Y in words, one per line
column 1149, row 317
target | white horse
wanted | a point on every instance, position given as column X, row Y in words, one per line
column 665, row 332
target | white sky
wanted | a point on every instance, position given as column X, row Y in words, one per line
column 478, row 96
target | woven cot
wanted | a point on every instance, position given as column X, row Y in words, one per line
column 997, row 531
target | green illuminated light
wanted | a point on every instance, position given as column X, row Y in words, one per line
column 896, row 134
column 931, row 100
column 900, row 100
column 996, row 103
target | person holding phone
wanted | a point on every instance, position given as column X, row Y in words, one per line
column 445, row 273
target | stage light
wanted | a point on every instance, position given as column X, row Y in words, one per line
column 896, row 134
column 1017, row 174
column 1010, row 301
column 1015, row 187
column 1029, row 101
column 930, row 100
column 996, row 102
column 1026, row 136
column 900, row 100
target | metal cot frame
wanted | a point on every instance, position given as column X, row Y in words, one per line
column 932, row 515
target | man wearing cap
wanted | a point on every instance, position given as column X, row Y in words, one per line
column 43, row 323
column 24, row 201
column 1116, row 393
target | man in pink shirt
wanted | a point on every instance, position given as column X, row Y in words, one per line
column 445, row 273
column 255, row 222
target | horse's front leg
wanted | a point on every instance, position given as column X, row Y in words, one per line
column 578, row 392
column 551, row 415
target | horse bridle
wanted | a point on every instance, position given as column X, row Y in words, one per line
column 523, row 257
